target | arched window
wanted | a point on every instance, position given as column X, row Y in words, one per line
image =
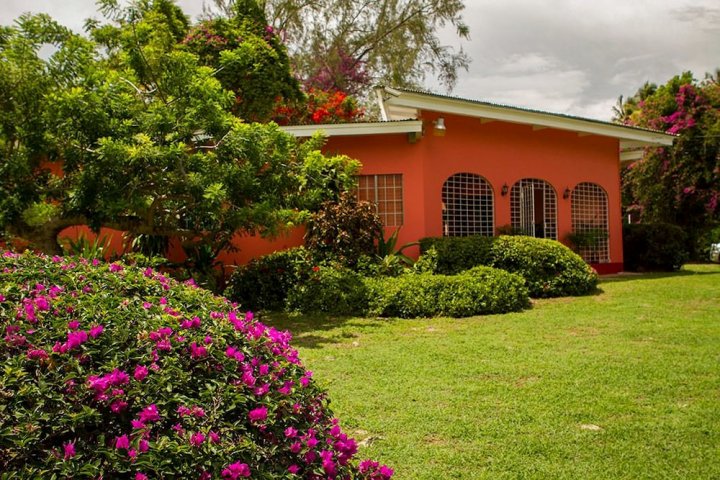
column 533, row 208
column 467, row 206
column 590, row 222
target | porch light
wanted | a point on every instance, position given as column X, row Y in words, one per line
column 439, row 130
column 504, row 189
column 566, row 193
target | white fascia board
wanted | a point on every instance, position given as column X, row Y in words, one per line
column 460, row 107
column 350, row 129
column 631, row 155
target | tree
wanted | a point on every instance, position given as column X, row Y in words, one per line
column 678, row 184
column 147, row 139
column 346, row 45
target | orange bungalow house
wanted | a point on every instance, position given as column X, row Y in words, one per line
column 445, row 166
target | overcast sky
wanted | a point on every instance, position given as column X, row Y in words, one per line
column 566, row 56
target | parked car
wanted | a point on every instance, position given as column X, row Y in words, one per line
column 715, row 252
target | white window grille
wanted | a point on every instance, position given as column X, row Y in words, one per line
column 386, row 193
column 533, row 208
column 590, row 222
column 467, row 206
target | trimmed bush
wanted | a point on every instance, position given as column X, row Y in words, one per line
column 456, row 254
column 482, row 290
column 112, row 371
column 654, row 247
column 331, row 290
column 265, row 281
column 550, row 268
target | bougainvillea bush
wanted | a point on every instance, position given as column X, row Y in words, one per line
column 110, row 371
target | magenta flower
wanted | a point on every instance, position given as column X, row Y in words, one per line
column 132, row 453
column 144, row 446
column 69, row 450
column 37, row 354
column 137, row 424
column 118, row 406
column 196, row 439
column 122, row 442
column 236, row 470
column 96, row 331
column 147, row 305
column 197, row 351
column 114, row 267
column 141, row 476
column 73, row 325
column 214, row 437
column 149, row 414
column 290, row 432
column 140, row 373
column 293, row 469
column 75, row 339
column 258, row 415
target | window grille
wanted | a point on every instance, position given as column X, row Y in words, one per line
column 467, row 206
column 590, row 220
column 386, row 193
column 533, row 208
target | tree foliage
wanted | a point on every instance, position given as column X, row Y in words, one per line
column 678, row 184
column 347, row 45
column 146, row 137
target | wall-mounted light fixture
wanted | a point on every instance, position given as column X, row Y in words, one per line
column 439, row 130
column 566, row 193
column 504, row 189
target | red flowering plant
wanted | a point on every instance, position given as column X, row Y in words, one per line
column 318, row 106
column 112, row 371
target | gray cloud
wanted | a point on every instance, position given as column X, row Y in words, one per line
column 568, row 56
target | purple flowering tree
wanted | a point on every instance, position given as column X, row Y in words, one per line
column 679, row 184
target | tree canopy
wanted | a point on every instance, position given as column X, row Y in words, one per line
column 130, row 129
column 347, row 45
column 678, row 184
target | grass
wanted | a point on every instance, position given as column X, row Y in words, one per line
column 621, row 384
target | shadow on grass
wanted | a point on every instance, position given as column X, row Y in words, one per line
column 304, row 328
column 633, row 276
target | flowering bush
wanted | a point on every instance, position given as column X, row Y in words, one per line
column 318, row 106
column 112, row 371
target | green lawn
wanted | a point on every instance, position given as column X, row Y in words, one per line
column 621, row 384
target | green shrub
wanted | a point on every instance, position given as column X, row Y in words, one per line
column 482, row 290
column 333, row 290
column 456, row 254
column 654, row 247
column 265, row 281
column 344, row 230
column 550, row 268
column 112, row 371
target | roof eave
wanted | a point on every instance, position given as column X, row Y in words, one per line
column 352, row 129
column 405, row 100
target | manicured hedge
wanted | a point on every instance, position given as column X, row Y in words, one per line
column 332, row 290
column 265, row 282
column 479, row 291
column 457, row 254
column 110, row 371
column 654, row 247
column 550, row 268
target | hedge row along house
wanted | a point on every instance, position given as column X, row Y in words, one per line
column 444, row 166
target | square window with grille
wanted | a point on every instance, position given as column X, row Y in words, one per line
column 386, row 193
